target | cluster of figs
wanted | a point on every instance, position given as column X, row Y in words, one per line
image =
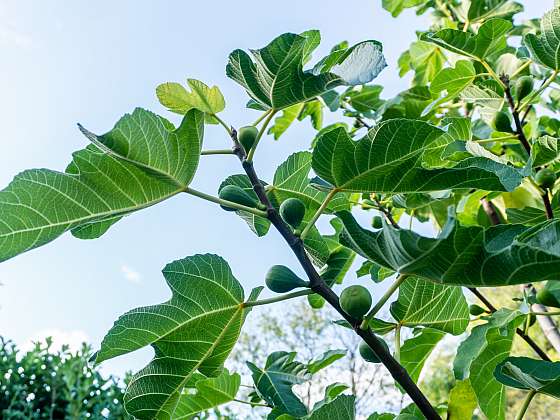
column 355, row 300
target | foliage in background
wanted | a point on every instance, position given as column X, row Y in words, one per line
column 46, row 384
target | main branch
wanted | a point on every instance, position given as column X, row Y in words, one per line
column 318, row 285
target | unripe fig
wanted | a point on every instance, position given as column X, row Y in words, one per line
column 355, row 301
column 237, row 195
column 545, row 178
column 524, row 86
column 368, row 354
column 247, row 136
column 476, row 310
column 292, row 211
column 544, row 297
column 281, row 279
column 316, row 301
column 502, row 122
column 377, row 222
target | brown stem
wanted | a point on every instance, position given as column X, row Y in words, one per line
column 547, row 206
column 318, row 285
column 387, row 214
column 515, row 113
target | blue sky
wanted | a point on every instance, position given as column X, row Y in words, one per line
column 90, row 62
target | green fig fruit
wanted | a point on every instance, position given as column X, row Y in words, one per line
column 524, row 86
column 237, row 195
column 545, row 178
column 502, row 122
column 544, row 297
column 316, row 301
column 377, row 222
column 247, row 136
column 355, row 301
column 476, row 310
column 368, row 354
column 292, row 211
column 281, row 279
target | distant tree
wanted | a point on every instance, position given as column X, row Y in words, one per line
column 47, row 384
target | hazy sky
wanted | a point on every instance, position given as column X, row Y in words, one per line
column 64, row 62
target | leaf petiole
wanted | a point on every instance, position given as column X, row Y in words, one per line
column 398, row 342
column 217, row 152
column 262, row 117
column 223, row 124
column 318, row 213
column 261, row 132
column 224, row 203
column 525, row 405
column 278, row 298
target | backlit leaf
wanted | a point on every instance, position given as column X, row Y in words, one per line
column 141, row 162
column 192, row 332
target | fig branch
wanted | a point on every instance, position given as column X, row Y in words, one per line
column 318, row 285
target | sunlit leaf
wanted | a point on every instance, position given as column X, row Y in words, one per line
column 424, row 303
column 403, row 156
column 545, row 47
column 489, row 39
column 274, row 76
column 462, row 401
column 341, row 408
column 141, row 162
column 179, row 100
column 466, row 256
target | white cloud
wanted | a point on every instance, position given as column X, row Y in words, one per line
column 130, row 274
column 11, row 36
column 72, row 338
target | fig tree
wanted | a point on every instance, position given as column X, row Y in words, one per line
column 355, row 301
column 292, row 211
column 524, row 86
column 545, row 178
column 247, row 136
column 237, row 195
column 281, row 279
column 502, row 122
column 368, row 354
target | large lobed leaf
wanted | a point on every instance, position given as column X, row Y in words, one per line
column 545, row 48
column 192, row 332
column 274, row 77
column 489, row 39
column 404, row 156
column 463, row 256
column 141, row 162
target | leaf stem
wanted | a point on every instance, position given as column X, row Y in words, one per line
column 392, row 289
column 278, row 298
column 262, row 117
column 228, row 129
column 318, row 213
column 525, row 405
column 546, row 313
column 224, row 203
column 217, row 152
column 495, row 139
column 398, row 342
column 521, row 68
column 492, row 72
column 251, row 153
